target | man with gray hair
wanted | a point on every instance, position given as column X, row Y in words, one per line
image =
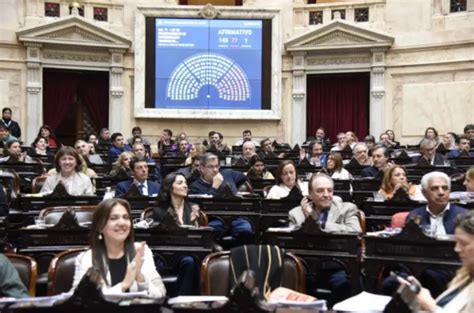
column 333, row 215
column 361, row 154
column 437, row 218
column 84, row 148
column 428, row 153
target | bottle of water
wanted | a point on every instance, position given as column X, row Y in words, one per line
column 109, row 194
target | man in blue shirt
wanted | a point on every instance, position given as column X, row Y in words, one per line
column 118, row 145
column 210, row 182
column 464, row 146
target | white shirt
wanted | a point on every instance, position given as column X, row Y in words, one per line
column 436, row 221
column 282, row 191
column 144, row 190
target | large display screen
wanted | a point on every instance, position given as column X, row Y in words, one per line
column 208, row 64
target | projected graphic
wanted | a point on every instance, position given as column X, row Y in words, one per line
column 202, row 64
column 205, row 69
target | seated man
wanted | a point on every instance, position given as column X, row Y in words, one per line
column 216, row 140
column 10, row 282
column 248, row 151
column 469, row 132
column 140, row 152
column 118, row 145
column 191, row 172
column 341, row 142
column 266, row 149
column 380, row 157
column 464, row 146
column 361, row 154
column 333, row 215
column 428, row 153
column 438, row 216
column 137, row 132
column 104, row 137
column 210, row 182
column 246, row 136
column 140, row 179
column 165, row 141
column 84, row 149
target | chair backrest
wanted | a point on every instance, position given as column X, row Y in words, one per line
column 61, row 272
column 215, row 274
column 361, row 217
column 398, row 219
column 53, row 214
column 27, row 269
column 37, row 183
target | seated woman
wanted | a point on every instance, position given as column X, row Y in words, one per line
column 391, row 137
column 431, row 133
column 173, row 200
column 459, row 297
column 394, row 178
column 68, row 165
column 335, row 167
column 122, row 165
column 40, row 146
column 47, row 132
column 124, row 266
column 257, row 169
column 13, row 153
column 286, row 179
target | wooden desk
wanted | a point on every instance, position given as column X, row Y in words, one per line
column 411, row 249
column 318, row 248
column 378, row 214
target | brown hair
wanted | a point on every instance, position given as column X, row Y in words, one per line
column 98, row 247
column 387, row 177
column 280, row 167
column 67, row 151
column 337, row 161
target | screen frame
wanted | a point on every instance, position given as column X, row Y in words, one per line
column 143, row 75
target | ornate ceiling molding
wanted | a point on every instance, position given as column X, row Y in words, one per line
column 73, row 31
column 339, row 35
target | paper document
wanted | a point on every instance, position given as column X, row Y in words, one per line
column 363, row 302
column 192, row 299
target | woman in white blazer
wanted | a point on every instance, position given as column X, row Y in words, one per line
column 125, row 266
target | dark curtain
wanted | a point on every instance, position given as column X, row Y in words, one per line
column 58, row 96
column 338, row 103
column 94, row 91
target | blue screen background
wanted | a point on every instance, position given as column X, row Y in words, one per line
column 208, row 64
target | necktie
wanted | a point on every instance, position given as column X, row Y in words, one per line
column 141, row 187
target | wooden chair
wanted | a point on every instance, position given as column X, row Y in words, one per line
column 61, row 272
column 27, row 269
column 53, row 214
column 216, row 266
column 37, row 183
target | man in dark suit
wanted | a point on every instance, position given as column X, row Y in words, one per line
column 140, row 174
column 210, row 182
column 7, row 121
column 428, row 153
column 380, row 157
column 438, row 218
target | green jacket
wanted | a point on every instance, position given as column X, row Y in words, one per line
column 10, row 282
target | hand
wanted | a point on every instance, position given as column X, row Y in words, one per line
column 134, row 269
column 306, row 206
column 195, row 213
column 217, row 181
column 302, row 154
column 424, row 298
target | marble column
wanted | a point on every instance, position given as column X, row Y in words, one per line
column 298, row 111
column 116, row 101
column 377, row 93
column 34, row 84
